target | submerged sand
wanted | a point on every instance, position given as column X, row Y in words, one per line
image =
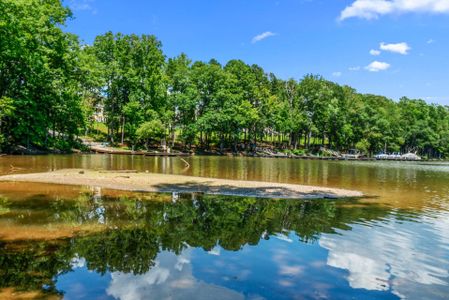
column 154, row 182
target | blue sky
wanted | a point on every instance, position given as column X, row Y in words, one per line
column 389, row 47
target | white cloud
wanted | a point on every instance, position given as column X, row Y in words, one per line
column 356, row 68
column 372, row 9
column 374, row 52
column 401, row 48
column 337, row 74
column 80, row 5
column 377, row 66
column 262, row 36
column 431, row 41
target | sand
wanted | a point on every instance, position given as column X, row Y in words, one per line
column 154, row 182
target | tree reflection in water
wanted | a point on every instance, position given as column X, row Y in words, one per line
column 137, row 228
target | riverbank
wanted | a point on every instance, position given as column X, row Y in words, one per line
column 102, row 148
column 154, row 182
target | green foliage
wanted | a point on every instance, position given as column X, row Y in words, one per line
column 363, row 146
column 151, row 130
column 6, row 111
column 51, row 88
column 134, row 117
column 38, row 74
column 131, row 78
column 4, row 206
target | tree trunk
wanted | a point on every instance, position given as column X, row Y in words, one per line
column 123, row 129
column 173, row 136
column 308, row 139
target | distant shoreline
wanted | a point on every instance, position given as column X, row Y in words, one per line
column 227, row 154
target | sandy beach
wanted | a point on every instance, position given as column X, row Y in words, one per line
column 154, row 182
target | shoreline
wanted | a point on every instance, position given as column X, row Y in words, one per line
column 164, row 183
column 161, row 154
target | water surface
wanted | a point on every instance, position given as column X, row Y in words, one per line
column 87, row 243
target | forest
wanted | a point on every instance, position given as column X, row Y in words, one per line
column 53, row 88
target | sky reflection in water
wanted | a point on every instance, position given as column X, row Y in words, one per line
column 204, row 247
column 390, row 262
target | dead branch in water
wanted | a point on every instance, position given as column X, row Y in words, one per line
column 187, row 165
column 13, row 169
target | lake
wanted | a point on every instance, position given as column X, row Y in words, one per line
column 90, row 243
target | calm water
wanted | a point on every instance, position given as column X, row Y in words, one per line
column 88, row 243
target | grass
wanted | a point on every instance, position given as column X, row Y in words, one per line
column 100, row 127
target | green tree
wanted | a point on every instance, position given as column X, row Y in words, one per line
column 133, row 70
column 6, row 110
column 38, row 72
column 150, row 131
column 183, row 98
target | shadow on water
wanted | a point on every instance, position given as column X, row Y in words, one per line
column 130, row 231
column 273, row 191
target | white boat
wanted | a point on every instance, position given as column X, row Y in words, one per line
column 397, row 156
column 410, row 156
column 381, row 156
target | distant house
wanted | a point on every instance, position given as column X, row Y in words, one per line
column 99, row 113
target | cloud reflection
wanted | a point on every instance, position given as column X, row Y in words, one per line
column 396, row 257
column 170, row 278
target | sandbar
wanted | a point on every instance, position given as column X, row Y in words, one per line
column 166, row 183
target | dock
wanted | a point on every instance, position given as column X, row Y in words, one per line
column 107, row 150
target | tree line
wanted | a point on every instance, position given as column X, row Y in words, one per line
column 51, row 87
